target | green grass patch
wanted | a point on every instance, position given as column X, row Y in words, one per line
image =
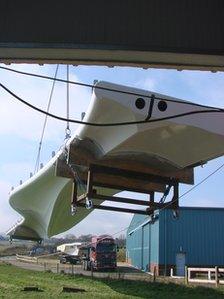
column 13, row 280
column 121, row 255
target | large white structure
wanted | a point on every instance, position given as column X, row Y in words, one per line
column 70, row 248
column 182, row 135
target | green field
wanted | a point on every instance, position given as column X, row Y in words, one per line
column 13, row 280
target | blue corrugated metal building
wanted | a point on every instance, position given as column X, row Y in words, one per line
column 195, row 238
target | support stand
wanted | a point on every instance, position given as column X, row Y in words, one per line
column 86, row 199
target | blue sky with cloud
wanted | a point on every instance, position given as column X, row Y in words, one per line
column 20, row 128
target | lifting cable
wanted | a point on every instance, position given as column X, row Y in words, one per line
column 67, row 130
column 45, row 122
column 138, row 94
column 211, row 110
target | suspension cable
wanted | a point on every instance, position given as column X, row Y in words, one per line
column 45, row 122
column 67, row 130
column 212, row 110
column 104, row 88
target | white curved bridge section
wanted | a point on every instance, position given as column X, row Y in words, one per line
column 44, row 200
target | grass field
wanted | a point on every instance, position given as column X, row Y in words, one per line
column 13, row 280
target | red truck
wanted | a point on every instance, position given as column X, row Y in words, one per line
column 101, row 254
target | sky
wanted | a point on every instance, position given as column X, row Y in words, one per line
column 20, row 129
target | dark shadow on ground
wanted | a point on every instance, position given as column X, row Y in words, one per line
column 149, row 290
column 128, row 269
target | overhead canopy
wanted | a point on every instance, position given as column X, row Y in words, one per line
column 182, row 34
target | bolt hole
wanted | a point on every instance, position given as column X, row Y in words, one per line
column 140, row 103
column 162, row 106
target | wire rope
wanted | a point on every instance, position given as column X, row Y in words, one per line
column 212, row 110
column 45, row 122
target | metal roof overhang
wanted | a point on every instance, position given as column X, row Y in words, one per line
column 26, row 53
column 184, row 34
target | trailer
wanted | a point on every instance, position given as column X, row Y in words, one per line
column 70, row 252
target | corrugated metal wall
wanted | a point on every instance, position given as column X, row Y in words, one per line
column 146, row 229
column 155, row 227
column 142, row 243
column 186, row 26
column 198, row 233
column 134, row 243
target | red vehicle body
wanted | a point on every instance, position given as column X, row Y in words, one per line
column 101, row 254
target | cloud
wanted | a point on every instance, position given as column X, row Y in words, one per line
column 148, row 83
column 7, row 215
column 208, row 87
column 202, row 202
column 102, row 222
column 20, row 171
column 19, row 120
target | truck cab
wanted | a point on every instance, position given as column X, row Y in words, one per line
column 101, row 254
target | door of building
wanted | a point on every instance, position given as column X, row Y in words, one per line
column 180, row 263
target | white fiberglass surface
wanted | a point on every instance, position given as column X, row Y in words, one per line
column 44, row 200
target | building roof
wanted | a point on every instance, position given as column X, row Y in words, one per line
column 172, row 34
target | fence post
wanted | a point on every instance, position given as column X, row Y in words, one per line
column 91, row 271
column 72, row 269
column 216, row 276
column 154, row 273
column 209, row 275
column 119, row 274
column 45, row 266
column 57, row 268
column 186, row 275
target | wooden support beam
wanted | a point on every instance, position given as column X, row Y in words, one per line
column 74, row 193
column 133, row 174
column 89, row 186
column 84, row 152
column 151, row 208
column 152, row 197
column 128, row 185
column 82, row 197
column 121, row 199
column 112, row 181
column 175, row 198
column 152, row 205
column 115, row 209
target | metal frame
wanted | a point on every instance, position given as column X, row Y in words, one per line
column 150, row 206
